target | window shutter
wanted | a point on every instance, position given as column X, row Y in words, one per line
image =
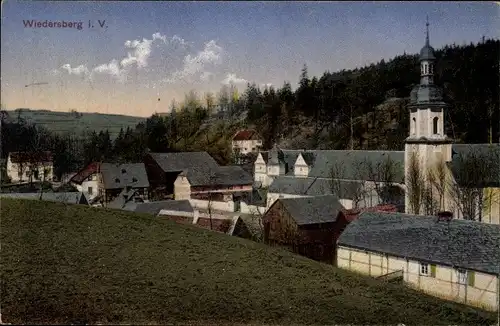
column 471, row 278
column 433, row 270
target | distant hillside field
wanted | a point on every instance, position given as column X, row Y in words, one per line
column 63, row 122
column 76, row 264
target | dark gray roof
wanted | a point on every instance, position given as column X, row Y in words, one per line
column 177, row 162
column 265, row 156
column 313, row 187
column 125, row 197
column 122, row 175
column 198, row 166
column 172, row 205
column 63, row 197
column 487, row 174
column 231, row 175
column 313, row 210
column 254, row 197
column 458, row 243
column 425, row 95
column 323, row 160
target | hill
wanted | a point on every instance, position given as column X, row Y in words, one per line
column 69, row 264
column 76, row 122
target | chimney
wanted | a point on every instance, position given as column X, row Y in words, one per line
column 352, row 214
column 445, row 216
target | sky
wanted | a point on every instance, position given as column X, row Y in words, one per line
column 134, row 58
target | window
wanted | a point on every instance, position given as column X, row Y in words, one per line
column 91, row 177
column 435, row 125
column 414, row 126
column 462, row 276
column 424, row 269
column 90, row 190
column 36, row 174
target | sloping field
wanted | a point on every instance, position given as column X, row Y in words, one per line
column 68, row 122
column 71, row 264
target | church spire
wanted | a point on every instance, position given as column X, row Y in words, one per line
column 427, row 32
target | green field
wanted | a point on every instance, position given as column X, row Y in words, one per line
column 64, row 122
column 76, row 264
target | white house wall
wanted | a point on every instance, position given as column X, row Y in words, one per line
column 246, row 146
column 215, row 205
column 445, row 285
column 14, row 168
column 272, row 197
column 252, row 209
column 182, row 188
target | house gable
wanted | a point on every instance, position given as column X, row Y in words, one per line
column 182, row 187
column 301, row 168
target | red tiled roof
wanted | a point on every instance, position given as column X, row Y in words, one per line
column 178, row 219
column 246, row 134
column 352, row 214
column 85, row 172
column 217, row 224
column 32, row 157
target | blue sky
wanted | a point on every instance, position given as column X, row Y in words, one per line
column 165, row 49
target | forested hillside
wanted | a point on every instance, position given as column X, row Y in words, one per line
column 469, row 76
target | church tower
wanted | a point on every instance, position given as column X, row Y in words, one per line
column 427, row 141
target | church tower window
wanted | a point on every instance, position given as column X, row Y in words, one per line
column 435, row 124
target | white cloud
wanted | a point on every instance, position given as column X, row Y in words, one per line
column 113, row 68
column 138, row 54
column 192, row 65
column 80, row 70
column 206, row 76
column 178, row 40
column 232, row 79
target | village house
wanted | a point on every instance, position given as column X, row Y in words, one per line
column 453, row 259
column 246, row 141
column 30, row 166
column 106, row 181
column 468, row 189
column 196, row 176
column 311, row 226
column 308, row 226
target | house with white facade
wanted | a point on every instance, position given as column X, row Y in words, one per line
column 467, row 191
column 108, row 180
column 449, row 258
column 30, row 166
column 246, row 141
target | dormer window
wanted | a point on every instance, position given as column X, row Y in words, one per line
column 134, row 179
column 124, row 171
column 117, row 180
